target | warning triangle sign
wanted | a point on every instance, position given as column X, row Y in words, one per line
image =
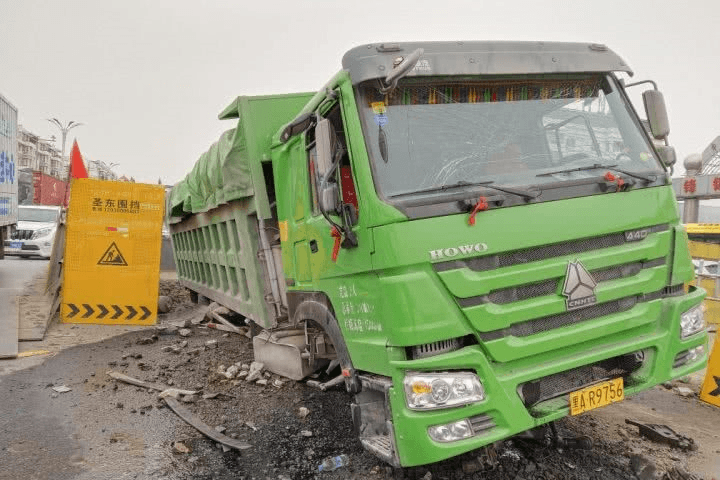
column 112, row 256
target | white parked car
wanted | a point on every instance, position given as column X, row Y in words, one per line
column 706, row 267
column 35, row 232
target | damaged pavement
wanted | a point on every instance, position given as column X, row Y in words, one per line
column 185, row 400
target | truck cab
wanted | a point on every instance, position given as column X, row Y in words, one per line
column 482, row 236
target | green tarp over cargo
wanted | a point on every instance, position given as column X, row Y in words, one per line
column 231, row 169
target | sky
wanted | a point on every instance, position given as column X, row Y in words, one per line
column 148, row 78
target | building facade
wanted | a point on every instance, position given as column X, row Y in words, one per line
column 39, row 155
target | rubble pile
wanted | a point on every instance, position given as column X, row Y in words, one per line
column 206, row 363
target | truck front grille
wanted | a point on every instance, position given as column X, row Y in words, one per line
column 505, row 306
column 508, row 259
column 573, row 317
column 568, row 381
column 548, row 287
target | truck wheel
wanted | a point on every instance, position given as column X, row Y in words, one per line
column 318, row 311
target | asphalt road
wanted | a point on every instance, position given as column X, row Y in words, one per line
column 15, row 273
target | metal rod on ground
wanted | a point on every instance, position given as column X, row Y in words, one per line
column 224, row 328
column 330, row 383
column 225, row 322
column 194, row 421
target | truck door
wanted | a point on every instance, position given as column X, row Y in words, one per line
column 319, row 241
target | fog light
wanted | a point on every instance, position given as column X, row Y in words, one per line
column 695, row 353
column 691, row 322
column 451, row 432
column 688, row 356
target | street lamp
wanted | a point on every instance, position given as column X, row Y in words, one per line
column 107, row 167
column 64, row 130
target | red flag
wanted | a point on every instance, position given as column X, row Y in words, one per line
column 77, row 167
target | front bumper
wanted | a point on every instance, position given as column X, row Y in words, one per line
column 27, row 248
column 503, row 413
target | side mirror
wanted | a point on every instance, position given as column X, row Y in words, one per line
column 667, row 154
column 326, row 143
column 656, row 113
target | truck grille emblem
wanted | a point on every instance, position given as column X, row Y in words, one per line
column 579, row 286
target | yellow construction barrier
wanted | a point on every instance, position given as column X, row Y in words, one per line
column 707, row 252
column 710, row 391
column 111, row 268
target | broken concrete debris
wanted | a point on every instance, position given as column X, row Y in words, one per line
column 231, row 371
column 164, row 304
column 62, row 389
column 166, row 330
column 176, row 393
column 184, row 332
column 147, row 340
column 182, row 412
column 685, row 391
column 256, row 370
column 134, row 381
column 181, row 447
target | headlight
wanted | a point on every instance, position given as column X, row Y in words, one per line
column 691, row 322
column 42, row 232
column 428, row 391
column 451, row 432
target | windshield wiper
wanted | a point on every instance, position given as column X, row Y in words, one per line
column 597, row 166
column 520, row 192
column 648, row 178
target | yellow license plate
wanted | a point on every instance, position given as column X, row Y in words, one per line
column 596, row 396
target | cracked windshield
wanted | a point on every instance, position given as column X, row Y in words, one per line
column 425, row 136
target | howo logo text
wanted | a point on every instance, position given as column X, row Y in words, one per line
column 459, row 250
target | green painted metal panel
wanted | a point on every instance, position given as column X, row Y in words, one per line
column 216, row 254
column 465, row 283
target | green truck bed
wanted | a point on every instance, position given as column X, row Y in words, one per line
column 215, row 212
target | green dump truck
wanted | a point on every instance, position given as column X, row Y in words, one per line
column 479, row 237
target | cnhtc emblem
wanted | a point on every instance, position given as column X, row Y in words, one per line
column 579, row 286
